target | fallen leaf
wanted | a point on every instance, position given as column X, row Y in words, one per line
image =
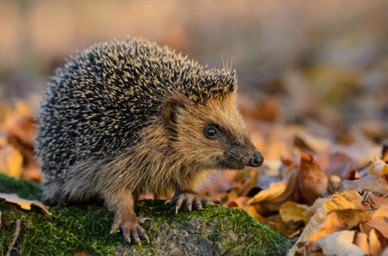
column 332, row 223
column 349, row 208
column 312, row 181
column 376, row 242
column 349, row 200
column 361, row 240
column 251, row 210
column 384, row 151
column 378, row 201
column 24, row 203
column 379, row 220
column 311, row 142
column 337, row 163
column 239, row 202
column 293, row 212
column 276, row 223
column 11, row 161
column 369, row 182
column 340, row 243
column 380, row 168
column 316, row 214
column 269, row 200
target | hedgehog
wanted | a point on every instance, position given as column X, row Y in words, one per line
column 124, row 118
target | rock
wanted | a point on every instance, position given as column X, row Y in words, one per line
column 214, row 230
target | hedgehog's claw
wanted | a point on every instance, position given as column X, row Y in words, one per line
column 190, row 199
column 131, row 230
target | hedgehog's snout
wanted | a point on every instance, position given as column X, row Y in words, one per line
column 256, row 159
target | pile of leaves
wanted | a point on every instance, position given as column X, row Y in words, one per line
column 328, row 197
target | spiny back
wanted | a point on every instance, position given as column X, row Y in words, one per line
column 98, row 102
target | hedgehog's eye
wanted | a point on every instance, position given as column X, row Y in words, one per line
column 211, row 131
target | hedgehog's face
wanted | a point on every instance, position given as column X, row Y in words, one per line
column 211, row 136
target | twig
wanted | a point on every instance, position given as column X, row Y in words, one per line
column 15, row 237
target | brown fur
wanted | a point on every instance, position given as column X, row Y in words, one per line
column 158, row 164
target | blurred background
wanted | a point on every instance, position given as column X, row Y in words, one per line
column 318, row 63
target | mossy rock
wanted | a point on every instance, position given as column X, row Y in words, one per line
column 212, row 231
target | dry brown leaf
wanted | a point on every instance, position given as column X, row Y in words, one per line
column 384, row 151
column 330, row 224
column 11, row 161
column 293, row 212
column 276, row 223
column 233, row 194
column 380, row 168
column 340, row 243
column 369, row 182
column 239, row 202
column 361, row 240
column 293, row 218
column 312, row 180
column 349, row 200
column 376, row 242
column 349, row 208
column 269, row 200
column 379, row 220
column 24, row 203
column 311, row 142
column 337, row 163
column 378, row 201
column 316, row 214
column 251, row 210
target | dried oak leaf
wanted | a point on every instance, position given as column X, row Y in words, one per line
column 24, row 203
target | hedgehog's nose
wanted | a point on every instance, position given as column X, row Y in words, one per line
column 257, row 159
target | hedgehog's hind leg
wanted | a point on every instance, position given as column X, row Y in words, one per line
column 125, row 217
column 51, row 192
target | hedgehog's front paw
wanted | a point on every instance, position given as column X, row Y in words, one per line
column 132, row 231
column 190, row 199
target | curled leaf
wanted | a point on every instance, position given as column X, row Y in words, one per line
column 24, row 203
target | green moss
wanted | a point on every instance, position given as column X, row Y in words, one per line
column 24, row 188
column 86, row 228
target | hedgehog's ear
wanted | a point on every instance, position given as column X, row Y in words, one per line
column 170, row 110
